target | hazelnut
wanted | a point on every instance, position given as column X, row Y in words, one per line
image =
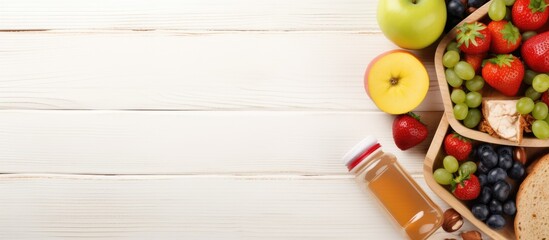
column 519, row 154
column 471, row 235
column 452, row 220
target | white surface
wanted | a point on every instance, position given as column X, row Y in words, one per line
column 191, row 119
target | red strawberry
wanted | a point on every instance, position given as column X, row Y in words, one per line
column 475, row 60
column 504, row 73
column 545, row 97
column 506, row 38
column 473, row 38
column 408, row 131
column 530, row 14
column 466, row 187
column 457, row 146
column 535, row 52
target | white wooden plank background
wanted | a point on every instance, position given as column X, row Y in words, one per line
column 220, row 15
column 228, row 71
column 195, row 119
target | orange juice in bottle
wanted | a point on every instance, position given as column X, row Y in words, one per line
column 402, row 198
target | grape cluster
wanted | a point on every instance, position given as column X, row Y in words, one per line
column 457, row 10
column 444, row 175
column 539, row 86
column 495, row 169
column 457, row 72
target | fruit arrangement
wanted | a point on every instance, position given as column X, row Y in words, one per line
column 485, row 176
column 506, row 56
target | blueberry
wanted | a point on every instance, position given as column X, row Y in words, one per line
column 489, row 158
column 482, row 169
column 480, row 211
column 495, row 221
column 495, row 207
column 509, row 208
column 483, row 148
column 505, row 161
column 496, row 174
column 485, row 195
column 517, row 171
column 482, row 179
column 505, row 150
column 501, row 190
column 476, row 3
column 456, row 8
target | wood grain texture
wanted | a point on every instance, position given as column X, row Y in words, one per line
column 210, row 15
column 169, row 70
column 249, row 106
column 191, row 207
column 174, row 142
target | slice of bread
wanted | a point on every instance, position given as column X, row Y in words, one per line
column 532, row 219
column 502, row 119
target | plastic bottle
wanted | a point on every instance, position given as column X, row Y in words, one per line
column 408, row 205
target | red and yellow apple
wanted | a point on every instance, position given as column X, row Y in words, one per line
column 396, row 81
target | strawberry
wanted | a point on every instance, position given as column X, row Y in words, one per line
column 506, row 38
column 504, row 73
column 457, row 146
column 535, row 52
column 475, row 60
column 530, row 14
column 408, row 131
column 473, row 38
column 466, row 186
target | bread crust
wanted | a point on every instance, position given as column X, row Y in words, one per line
column 525, row 183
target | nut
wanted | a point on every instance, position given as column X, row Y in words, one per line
column 519, row 154
column 471, row 235
column 452, row 220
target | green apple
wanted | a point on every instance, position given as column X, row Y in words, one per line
column 412, row 24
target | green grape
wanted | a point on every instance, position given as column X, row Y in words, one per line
column 452, row 78
column 450, row 59
column 458, row 96
column 527, row 35
column 532, row 94
column 540, row 128
column 475, row 84
column 540, row 111
column 453, row 46
column 525, row 105
column 473, row 118
column 509, row 2
column 468, row 167
column 460, row 111
column 529, row 76
column 464, row 70
column 442, row 176
column 541, row 82
column 473, row 99
column 497, row 10
column 450, row 164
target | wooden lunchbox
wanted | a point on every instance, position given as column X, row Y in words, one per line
column 433, row 161
column 529, row 140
